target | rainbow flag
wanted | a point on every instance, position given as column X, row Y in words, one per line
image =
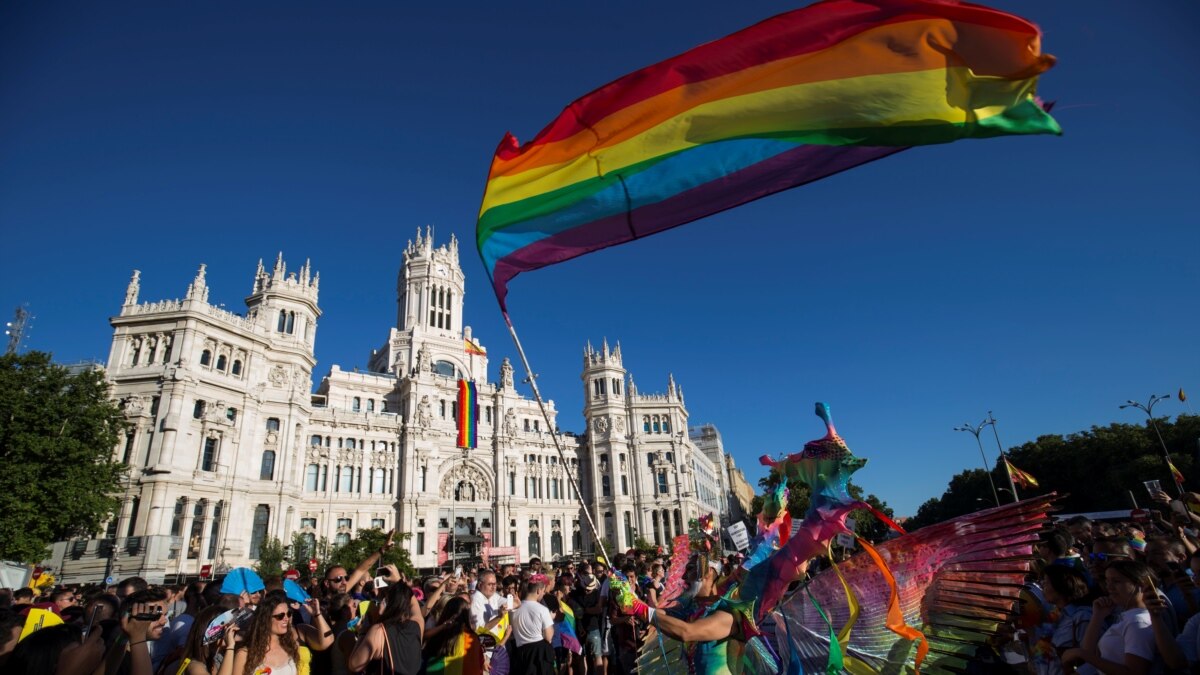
column 568, row 635
column 1023, row 479
column 466, row 659
column 1175, row 473
column 468, row 417
column 793, row 99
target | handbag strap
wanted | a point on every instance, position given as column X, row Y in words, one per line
column 387, row 652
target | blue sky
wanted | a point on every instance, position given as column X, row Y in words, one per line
column 1046, row 279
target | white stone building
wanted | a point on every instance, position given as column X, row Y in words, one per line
column 230, row 445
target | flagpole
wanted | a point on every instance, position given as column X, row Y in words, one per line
column 1007, row 467
column 537, row 395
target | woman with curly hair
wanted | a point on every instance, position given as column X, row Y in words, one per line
column 395, row 641
column 270, row 646
column 452, row 647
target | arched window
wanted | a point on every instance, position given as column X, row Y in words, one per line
column 267, row 470
column 662, row 481
column 315, row 441
column 205, row 357
column 215, row 532
column 310, row 478
column 177, row 519
column 198, row 409
column 237, row 368
column 355, row 404
column 370, row 405
column 272, row 424
column 221, row 363
column 208, row 459
column 656, row 427
column 535, row 543
column 444, row 368
column 350, row 443
column 556, row 542
column 646, row 423
column 282, row 326
column 291, row 323
column 666, row 425
column 258, row 531
column 193, row 544
column 342, row 539
column 347, row 479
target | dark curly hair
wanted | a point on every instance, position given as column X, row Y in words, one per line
column 258, row 633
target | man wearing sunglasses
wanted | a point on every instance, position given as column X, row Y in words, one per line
column 337, row 581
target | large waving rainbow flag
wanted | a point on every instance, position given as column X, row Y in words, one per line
column 465, row 659
column 568, row 634
column 790, row 100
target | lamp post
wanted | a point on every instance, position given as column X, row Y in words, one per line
column 975, row 432
column 1149, row 410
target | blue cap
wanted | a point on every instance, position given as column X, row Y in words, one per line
column 294, row 592
column 242, row 579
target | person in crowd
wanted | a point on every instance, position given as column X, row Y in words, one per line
column 337, row 580
column 656, row 586
column 452, row 646
column 1127, row 647
column 1105, row 551
column 1166, row 557
column 343, row 615
column 59, row 649
column 1065, row 589
column 533, row 630
column 197, row 658
column 1080, row 528
column 592, row 621
column 143, row 619
column 22, row 598
column 510, row 587
column 170, row 647
column 130, row 586
column 11, row 624
column 393, row 645
column 488, row 612
column 62, row 598
column 269, row 641
column 104, row 605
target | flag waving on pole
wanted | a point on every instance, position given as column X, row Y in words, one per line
column 790, row 100
column 1182, row 395
column 1175, row 473
column 468, row 415
column 1023, row 479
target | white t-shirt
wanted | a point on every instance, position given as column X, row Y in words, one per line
column 484, row 609
column 529, row 621
column 1132, row 634
column 1189, row 640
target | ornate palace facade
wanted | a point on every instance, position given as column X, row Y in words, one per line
column 230, row 445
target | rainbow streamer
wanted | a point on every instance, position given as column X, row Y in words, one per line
column 568, row 636
column 468, row 416
column 793, row 99
column 466, row 659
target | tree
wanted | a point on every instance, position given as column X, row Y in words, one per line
column 271, row 558
column 1094, row 470
column 57, row 435
column 369, row 540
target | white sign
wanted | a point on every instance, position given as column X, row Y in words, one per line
column 847, row 540
column 739, row 535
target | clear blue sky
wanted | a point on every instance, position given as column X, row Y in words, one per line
column 1047, row 279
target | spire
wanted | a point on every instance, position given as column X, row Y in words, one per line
column 671, row 385
column 131, row 291
column 306, row 272
column 632, row 387
column 617, row 352
column 198, row 289
column 605, row 348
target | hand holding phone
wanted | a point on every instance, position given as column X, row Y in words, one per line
column 458, row 572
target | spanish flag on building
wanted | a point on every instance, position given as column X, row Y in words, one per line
column 1023, row 479
column 473, row 348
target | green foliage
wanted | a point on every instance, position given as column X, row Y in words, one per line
column 866, row 524
column 301, row 551
column 362, row 546
column 57, row 436
column 641, row 544
column 1094, row 470
column 271, row 558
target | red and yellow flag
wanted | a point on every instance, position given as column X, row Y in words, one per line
column 1023, row 479
column 1175, row 473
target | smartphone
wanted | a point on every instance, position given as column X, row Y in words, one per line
column 91, row 621
column 380, row 582
column 509, row 601
column 458, row 572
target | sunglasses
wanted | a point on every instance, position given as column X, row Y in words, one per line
column 338, row 580
column 282, row 615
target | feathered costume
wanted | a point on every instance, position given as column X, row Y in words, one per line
column 959, row 581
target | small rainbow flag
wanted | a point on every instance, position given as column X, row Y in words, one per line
column 466, row 659
column 568, row 636
column 468, row 417
column 1175, row 473
column 793, row 99
column 1025, row 480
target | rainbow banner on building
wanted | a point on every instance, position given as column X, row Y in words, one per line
column 793, row 99
column 468, row 415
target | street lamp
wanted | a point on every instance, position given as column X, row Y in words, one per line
column 1149, row 410
column 975, row 432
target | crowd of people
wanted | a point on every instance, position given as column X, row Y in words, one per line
column 1119, row 598
column 531, row 619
